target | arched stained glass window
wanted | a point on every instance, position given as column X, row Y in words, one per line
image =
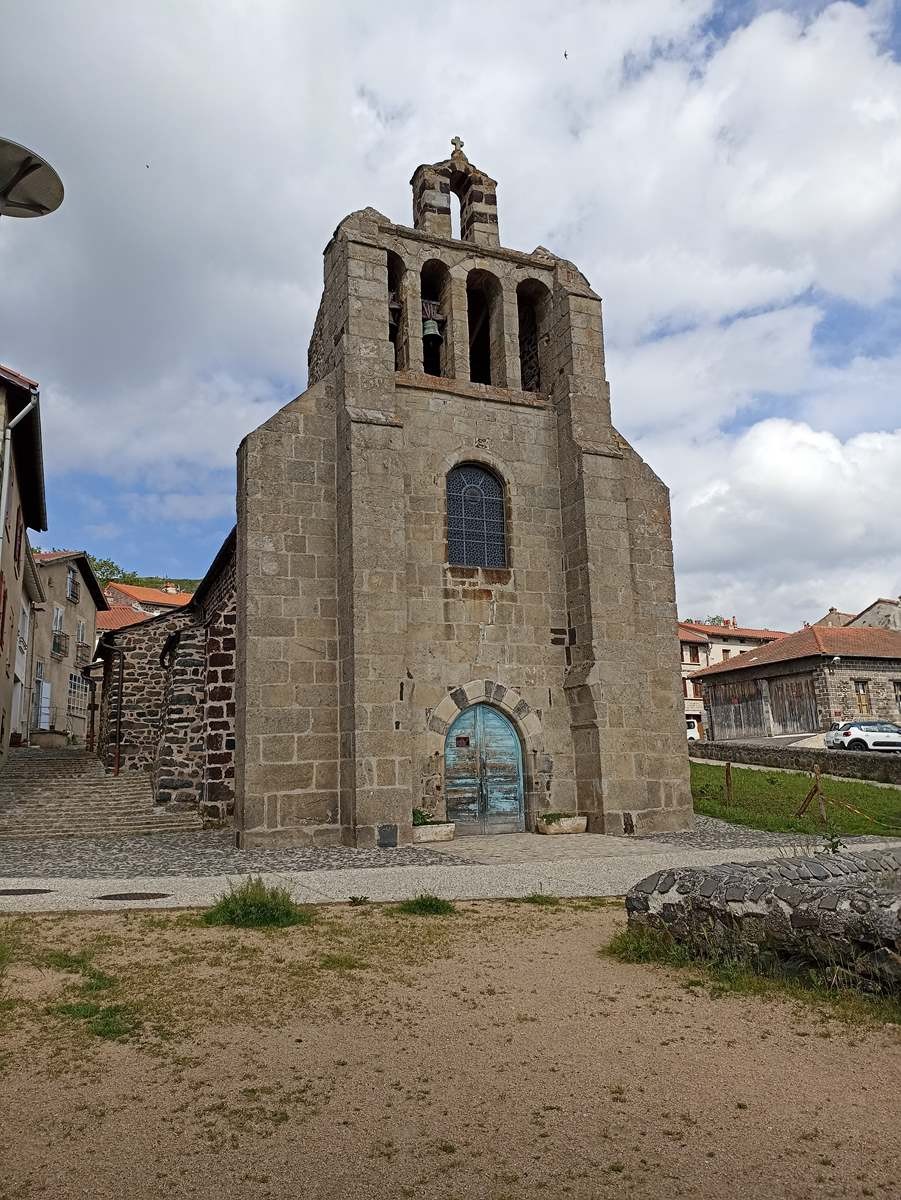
column 476, row 534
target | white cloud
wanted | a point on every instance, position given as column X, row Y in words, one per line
column 725, row 187
column 789, row 516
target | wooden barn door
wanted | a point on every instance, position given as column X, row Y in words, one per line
column 793, row 703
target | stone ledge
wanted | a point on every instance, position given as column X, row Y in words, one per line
column 473, row 391
column 837, row 909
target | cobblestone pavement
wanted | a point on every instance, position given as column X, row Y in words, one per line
column 207, row 852
column 211, row 852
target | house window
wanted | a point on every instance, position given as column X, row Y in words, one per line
column 79, row 692
column 726, row 654
column 80, row 631
column 862, row 696
column 57, row 619
column 694, row 654
column 898, row 694
column 73, row 586
column 476, row 533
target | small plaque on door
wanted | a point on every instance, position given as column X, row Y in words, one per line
column 462, row 741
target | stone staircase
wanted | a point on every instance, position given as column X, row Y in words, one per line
column 67, row 793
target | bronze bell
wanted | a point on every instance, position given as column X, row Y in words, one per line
column 431, row 329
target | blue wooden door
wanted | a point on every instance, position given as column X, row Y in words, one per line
column 483, row 773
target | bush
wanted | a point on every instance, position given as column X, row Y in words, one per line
column 254, row 904
column 425, row 905
column 420, row 817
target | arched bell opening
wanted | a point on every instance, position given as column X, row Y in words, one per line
column 434, row 282
column 485, row 308
column 533, row 302
column 397, row 311
column 483, row 773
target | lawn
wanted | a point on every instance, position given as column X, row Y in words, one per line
column 489, row 1051
column 769, row 800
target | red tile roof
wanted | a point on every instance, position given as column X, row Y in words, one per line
column 816, row 641
column 152, row 595
column 721, row 631
column 119, row 616
column 12, row 376
column 687, row 634
column 53, row 555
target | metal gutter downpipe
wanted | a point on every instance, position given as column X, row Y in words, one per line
column 7, row 451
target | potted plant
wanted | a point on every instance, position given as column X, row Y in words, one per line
column 427, row 829
column 558, row 822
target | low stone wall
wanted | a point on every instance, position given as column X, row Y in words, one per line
column 841, row 910
column 850, row 764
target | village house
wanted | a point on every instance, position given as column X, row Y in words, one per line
column 22, row 507
column 803, row 682
column 451, row 578
column 64, row 635
column 702, row 644
column 881, row 614
column 148, row 600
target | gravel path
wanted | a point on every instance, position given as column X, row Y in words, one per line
column 206, row 852
column 212, row 852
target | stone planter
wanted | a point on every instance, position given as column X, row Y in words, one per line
column 569, row 824
column 439, row 831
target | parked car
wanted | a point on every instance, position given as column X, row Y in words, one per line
column 691, row 728
column 864, row 735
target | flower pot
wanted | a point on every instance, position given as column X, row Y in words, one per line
column 436, row 831
column 569, row 824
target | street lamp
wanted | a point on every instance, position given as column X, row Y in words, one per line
column 29, row 186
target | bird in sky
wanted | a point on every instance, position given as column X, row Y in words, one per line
column 565, row 55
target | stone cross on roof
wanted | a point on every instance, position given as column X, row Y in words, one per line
column 458, row 144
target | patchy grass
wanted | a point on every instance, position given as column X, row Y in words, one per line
column 731, row 976
column 424, row 905
column 254, row 904
column 541, row 899
column 770, row 799
column 114, row 1022
column 341, row 962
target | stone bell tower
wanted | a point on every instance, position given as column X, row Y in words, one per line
column 455, row 578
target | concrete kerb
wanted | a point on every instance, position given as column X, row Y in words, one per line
column 580, row 877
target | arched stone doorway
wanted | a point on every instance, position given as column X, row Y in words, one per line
column 483, row 775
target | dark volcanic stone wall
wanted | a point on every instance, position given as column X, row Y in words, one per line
column 838, row 909
column 178, row 701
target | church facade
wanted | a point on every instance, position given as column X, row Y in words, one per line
column 454, row 577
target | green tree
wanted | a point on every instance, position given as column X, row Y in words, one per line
column 106, row 570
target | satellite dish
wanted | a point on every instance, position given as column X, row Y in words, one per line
column 29, row 186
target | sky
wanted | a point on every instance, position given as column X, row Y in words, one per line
column 727, row 175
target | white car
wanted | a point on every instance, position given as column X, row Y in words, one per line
column 691, row 729
column 864, row 735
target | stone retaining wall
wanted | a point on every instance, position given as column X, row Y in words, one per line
column 843, row 910
column 850, row 764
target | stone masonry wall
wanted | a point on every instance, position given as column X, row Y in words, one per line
column 220, row 617
column 143, row 692
column 177, row 771
column 849, row 764
column 836, row 697
column 841, row 910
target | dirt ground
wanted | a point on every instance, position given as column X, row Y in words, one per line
column 492, row 1054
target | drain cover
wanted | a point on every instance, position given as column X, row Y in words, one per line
column 25, row 891
column 135, row 896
